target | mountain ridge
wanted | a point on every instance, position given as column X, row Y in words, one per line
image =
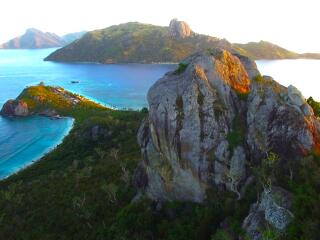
column 34, row 39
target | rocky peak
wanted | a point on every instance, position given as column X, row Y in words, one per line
column 179, row 29
column 212, row 121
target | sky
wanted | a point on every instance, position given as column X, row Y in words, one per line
column 293, row 24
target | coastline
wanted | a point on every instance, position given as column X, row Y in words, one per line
column 15, row 167
column 73, row 109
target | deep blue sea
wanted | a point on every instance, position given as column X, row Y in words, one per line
column 23, row 141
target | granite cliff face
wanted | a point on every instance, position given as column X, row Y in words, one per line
column 215, row 119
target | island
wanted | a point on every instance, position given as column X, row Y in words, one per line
column 135, row 42
column 221, row 153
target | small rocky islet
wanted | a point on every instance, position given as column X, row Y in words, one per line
column 217, row 135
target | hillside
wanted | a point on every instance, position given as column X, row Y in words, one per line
column 144, row 43
column 34, row 39
column 264, row 50
column 137, row 43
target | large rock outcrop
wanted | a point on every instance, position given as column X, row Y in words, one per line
column 209, row 121
column 179, row 29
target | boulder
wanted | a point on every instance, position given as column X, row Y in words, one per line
column 272, row 209
column 179, row 29
column 295, row 96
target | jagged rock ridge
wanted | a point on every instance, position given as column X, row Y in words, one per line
column 214, row 119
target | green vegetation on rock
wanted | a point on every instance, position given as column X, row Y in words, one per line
column 237, row 134
column 181, row 68
column 315, row 106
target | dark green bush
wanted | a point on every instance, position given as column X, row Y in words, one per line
column 181, row 68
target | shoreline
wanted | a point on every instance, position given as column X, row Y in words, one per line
column 47, row 150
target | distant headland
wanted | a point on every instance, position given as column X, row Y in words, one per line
column 135, row 42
